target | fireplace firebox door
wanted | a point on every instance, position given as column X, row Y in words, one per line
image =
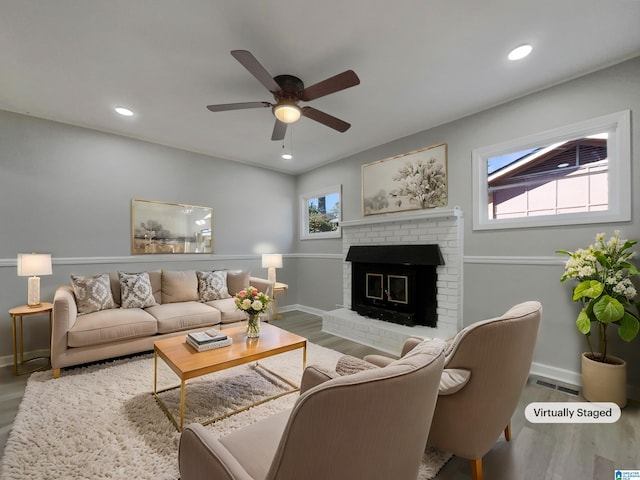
column 395, row 283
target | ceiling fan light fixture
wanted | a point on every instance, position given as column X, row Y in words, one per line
column 287, row 111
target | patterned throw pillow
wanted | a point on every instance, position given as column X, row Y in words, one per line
column 212, row 285
column 93, row 293
column 136, row 290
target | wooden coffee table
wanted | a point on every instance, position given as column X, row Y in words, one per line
column 187, row 363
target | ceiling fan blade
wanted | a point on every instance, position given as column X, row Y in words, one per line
column 325, row 119
column 237, row 106
column 256, row 69
column 279, row 130
column 331, row 85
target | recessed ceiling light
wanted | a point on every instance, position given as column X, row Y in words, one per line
column 520, row 52
column 563, row 165
column 287, row 156
column 125, row 112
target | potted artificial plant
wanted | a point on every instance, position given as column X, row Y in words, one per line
column 604, row 272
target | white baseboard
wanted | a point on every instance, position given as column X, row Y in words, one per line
column 7, row 360
column 558, row 374
column 301, row 308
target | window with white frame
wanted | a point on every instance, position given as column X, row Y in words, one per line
column 571, row 175
column 320, row 213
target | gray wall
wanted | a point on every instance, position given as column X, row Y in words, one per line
column 503, row 267
column 67, row 191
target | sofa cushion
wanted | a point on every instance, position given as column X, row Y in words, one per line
column 93, row 293
column 237, row 281
column 229, row 313
column 212, row 285
column 179, row 286
column 108, row 326
column 136, row 290
column 173, row 317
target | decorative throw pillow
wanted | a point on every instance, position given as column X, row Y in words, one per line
column 93, row 293
column 348, row 365
column 212, row 285
column 179, row 286
column 136, row 290
column 237, row 281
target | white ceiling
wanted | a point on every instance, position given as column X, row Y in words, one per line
column 421, row 63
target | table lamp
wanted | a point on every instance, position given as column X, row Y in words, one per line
column 272, row 261
column 31, row 265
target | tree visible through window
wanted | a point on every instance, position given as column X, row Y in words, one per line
column 324, row 213
column 321, row 214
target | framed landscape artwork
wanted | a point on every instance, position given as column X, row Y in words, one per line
column 161, row 227
column 411, row 181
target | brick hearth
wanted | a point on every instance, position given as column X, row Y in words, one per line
column 439, row 226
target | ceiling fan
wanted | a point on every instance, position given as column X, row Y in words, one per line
column 287, row 91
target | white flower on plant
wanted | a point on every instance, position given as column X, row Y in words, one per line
column 246, row 304
column 605, row 289
column 256, row 305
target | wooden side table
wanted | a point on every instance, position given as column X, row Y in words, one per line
column 18, row 313
column 278, row 288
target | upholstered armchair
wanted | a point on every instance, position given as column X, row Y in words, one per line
column 368, row 425
column 486, row 369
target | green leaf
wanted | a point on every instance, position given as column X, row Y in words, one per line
column 565, row 252
column 632, row 268
column 602, row 259
column 588, row 288
column 608, row 309
column 629, row 327
column 584, row 323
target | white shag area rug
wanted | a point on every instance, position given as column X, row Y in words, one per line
column 102, row 421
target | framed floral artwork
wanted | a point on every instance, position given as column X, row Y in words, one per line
column 411, row 181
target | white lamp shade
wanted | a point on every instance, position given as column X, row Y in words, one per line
column 271, row 260
column 32, row 264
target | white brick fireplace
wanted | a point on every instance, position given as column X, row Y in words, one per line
column 443, row 227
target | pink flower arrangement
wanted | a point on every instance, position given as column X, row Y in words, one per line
column 252, row 301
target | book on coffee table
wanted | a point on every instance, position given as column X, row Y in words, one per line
column 209, row 336
column 201, row 347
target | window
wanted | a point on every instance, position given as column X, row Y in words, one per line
column 320, row 214
column 576, row 174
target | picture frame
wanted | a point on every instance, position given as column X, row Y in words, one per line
column 170, row 228
column 411, row 181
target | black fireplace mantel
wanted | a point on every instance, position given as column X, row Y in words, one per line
column 396, row 254
column 395, row 283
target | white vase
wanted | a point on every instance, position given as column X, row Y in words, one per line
column 604, row 382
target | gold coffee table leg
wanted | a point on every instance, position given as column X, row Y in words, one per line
column 182, row 394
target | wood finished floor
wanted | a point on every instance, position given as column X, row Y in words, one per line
column 536, row 451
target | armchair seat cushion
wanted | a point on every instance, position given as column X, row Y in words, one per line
column 256, row 457
column 174, row 317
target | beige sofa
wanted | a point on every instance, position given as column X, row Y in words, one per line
column 109, row 315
